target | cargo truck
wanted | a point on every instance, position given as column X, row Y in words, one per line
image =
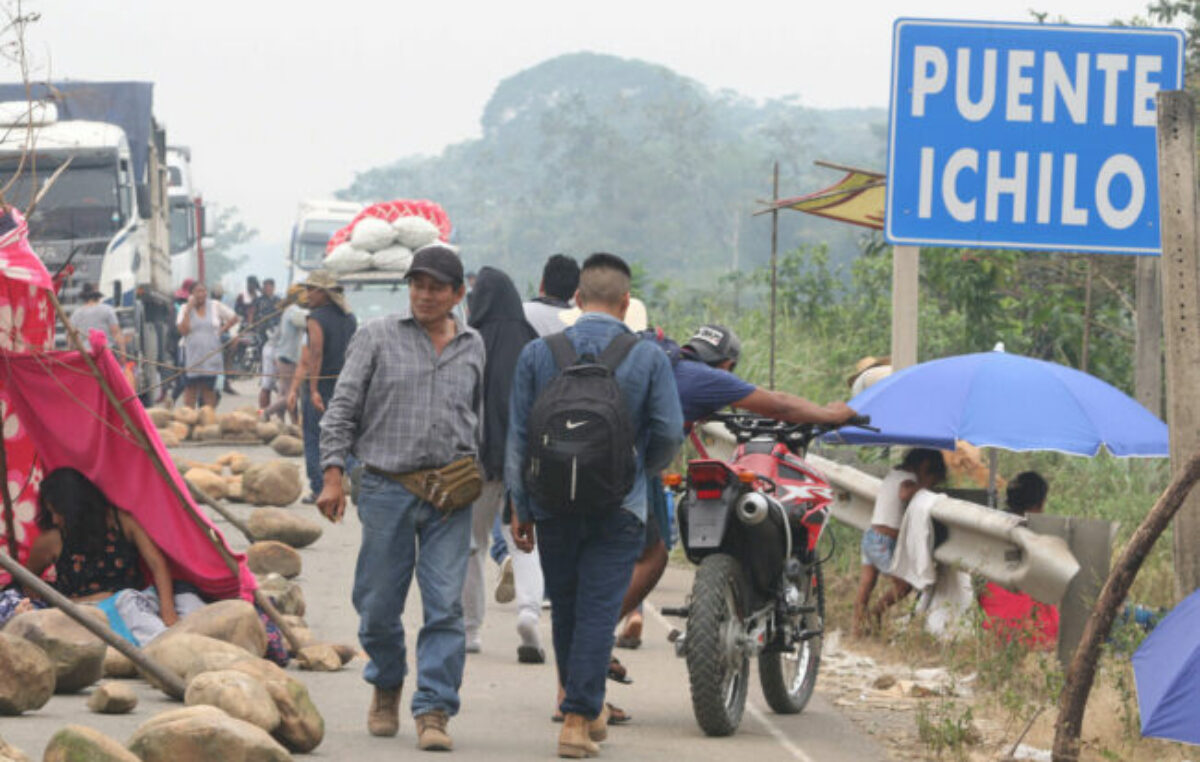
column 316, row 222
column 103, row 219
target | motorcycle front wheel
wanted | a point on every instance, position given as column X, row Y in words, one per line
column 789, row 676
column 717, row 663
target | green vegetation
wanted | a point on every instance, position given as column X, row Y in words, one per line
column 589, row 152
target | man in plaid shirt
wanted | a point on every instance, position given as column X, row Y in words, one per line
column 409, row 398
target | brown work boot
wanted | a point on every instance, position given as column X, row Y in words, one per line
column 573, row 741
column 431, row 731
column 383, row 718
column 598, row 728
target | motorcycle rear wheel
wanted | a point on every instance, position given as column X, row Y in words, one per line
column 789, row 677
column 718, row 666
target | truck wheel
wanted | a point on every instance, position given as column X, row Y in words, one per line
column 789, row 676
column 718, row 666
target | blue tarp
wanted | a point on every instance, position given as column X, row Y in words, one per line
column 1167, row 670
column 129, row 105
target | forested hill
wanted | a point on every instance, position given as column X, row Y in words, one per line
column 589, row 152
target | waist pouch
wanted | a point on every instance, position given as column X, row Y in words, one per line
column 447, row 489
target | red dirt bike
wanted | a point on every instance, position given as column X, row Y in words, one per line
column 752, row 525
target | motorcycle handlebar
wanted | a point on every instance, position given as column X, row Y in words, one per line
column 745, row 425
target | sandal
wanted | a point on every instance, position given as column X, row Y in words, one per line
column 618, row 673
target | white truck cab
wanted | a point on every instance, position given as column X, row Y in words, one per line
column 316, row 222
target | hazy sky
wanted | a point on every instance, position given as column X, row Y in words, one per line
column 287, row 100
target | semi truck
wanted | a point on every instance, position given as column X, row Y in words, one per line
column 316, row 222
column 185, row 219
column 94, row 157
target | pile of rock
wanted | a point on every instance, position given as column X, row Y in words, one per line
column 184, row 424
column 275, row 482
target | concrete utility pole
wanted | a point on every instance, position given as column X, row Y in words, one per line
column 1181, row 306
column 906, row 262
column 1147, row 359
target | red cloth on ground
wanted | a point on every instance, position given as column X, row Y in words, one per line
column 1017, row 615
column 66, row 416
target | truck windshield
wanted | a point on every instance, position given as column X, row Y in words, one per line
column 183, row 225
column 310, row 246
column 371, row 300
column 82, row 202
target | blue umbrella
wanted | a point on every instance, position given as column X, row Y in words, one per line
column 995, row 399
column 1166, row 668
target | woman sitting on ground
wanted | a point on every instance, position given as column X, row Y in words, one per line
column 98, row 552
column 921, row 468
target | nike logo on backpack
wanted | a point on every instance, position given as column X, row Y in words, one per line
column 572, row 425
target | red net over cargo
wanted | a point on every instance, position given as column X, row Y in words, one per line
column 392, row 211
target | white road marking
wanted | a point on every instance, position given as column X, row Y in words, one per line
column 791, row 748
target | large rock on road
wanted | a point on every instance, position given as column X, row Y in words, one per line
column 78, row 655
column 77, row 743
column 275, row 482
column 283, row 526
column 233, row 621
column 236, row 693
column 269, row 557
column 26, row 676
column 203, row 734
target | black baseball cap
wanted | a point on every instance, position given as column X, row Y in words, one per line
column 439, row 261
column 714, row 343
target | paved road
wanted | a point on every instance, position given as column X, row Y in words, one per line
column 506, row 706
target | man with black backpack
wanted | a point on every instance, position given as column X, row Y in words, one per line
column 591, row 412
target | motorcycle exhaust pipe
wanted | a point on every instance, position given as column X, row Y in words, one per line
column 752, row 508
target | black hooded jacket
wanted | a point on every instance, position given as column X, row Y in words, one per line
column 496, row 312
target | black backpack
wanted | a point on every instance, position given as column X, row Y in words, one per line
column 582, row 458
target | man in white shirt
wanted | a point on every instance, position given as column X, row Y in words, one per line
column 560, row 279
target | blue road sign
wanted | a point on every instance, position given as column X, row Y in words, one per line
column 1027, row 136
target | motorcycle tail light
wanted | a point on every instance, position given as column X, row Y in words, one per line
column 672, row 480
column 708, row 474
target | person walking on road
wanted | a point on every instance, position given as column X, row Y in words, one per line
column 497, row 315
column 330, row 326
column 287, row 351
column 409, row 405
column 587, row 542
column 560, row 278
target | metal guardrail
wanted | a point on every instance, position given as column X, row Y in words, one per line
column 989, row 542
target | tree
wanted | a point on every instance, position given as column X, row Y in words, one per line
column 227, row 230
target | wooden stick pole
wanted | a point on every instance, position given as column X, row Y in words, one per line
column 228, row 515
column 10, row 516
column 1082, row 671
column 264, row 602
column 30, row 581
column 774, row 269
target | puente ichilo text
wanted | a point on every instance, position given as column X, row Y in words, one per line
column 1027, row 136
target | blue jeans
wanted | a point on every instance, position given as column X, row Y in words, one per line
column 587, row 563
column 400, row 532
column 499, row 547
column 311, row 428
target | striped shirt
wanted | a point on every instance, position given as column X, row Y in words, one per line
column 398, row 405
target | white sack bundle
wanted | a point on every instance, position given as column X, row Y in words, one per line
column 415, row 232
column 393, row 259
column 372, row 234
column 347, row 259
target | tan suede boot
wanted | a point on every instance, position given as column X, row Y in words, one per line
column 573, row 741
column 598, row 728
column 383, row 718
column 431, row 732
